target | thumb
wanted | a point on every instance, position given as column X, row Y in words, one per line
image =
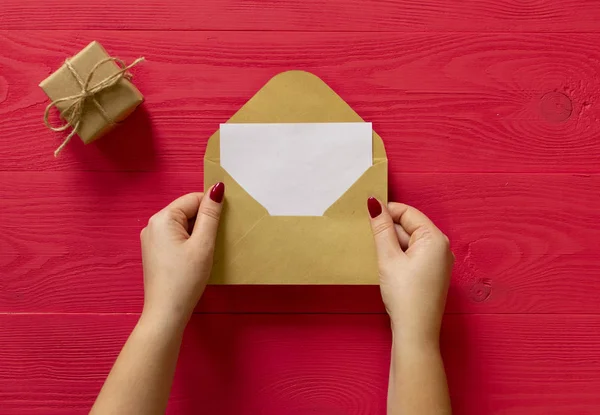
column 384, row 232
column 207, row 220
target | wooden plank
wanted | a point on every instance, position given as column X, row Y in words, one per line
column 442, row 102
column 297, row 364
column 524, row 243
column 308, row 15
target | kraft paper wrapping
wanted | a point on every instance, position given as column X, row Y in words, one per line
column 117, row 101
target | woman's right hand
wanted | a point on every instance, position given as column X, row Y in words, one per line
column 415, row 263
column 177, row 255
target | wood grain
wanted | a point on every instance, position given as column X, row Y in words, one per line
column 308, row 15
column 524, row 243
column 489, row 112
column 298, row 364
column 448, row 102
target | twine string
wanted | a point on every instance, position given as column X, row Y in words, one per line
column 74, row 112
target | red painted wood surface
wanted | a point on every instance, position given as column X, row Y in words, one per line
column 454, row 101
column 307, row 15
column 74, row 242
column 489, row 112
column 299, row 364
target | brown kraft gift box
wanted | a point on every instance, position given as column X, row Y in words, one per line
column 117, row 101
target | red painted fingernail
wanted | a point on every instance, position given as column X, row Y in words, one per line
column 374, row 207
column 217, row 192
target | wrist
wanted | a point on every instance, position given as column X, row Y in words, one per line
column 415, row 349
column 164, row 322
column 414, row 337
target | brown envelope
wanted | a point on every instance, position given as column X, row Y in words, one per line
column 256, row 248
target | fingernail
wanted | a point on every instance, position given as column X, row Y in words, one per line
column 217, row 192
column 374, row 207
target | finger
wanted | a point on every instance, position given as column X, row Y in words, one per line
column 403, row 237
column 185, row 207
column 421, row 229
column 384, row 231
column 409, row 218
column 209, row 213
column 188, row 204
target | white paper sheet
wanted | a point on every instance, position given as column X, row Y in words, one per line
column 296, row 169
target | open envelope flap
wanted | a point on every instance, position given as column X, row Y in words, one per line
column 255, row 248
column 294, row 96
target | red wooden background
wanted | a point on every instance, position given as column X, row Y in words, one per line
column 490, row 114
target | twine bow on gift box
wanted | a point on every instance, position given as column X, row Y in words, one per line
column 74, row 112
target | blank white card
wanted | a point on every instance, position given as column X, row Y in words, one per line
column 296, row 169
